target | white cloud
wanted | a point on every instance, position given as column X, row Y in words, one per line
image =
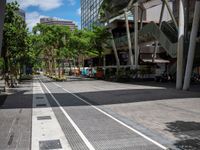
column 42, row 4
column 71, row 2
column 78, row 11
column 78, row 24
column 32, row 19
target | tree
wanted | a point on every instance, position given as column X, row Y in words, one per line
column 15, row 40
column 54, row 41
column 100, row 37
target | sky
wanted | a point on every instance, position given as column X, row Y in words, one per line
column 63, row 9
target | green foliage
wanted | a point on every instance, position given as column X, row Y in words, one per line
column 56, row 44
column 15, row 40
column 52, row 43
column 1, row 64
column 99, row 37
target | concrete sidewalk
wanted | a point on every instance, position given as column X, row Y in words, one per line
column 15, row 118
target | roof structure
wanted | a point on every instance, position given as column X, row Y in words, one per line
column 112, row 8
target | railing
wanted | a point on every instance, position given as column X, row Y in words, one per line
column 150, row 32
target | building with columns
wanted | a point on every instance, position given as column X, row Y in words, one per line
column 160, row 31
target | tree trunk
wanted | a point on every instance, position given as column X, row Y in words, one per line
column 63, row 67
column 6, row 76
column 59, row 69
column 50, row 67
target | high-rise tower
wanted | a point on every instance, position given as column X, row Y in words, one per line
column 89, row 12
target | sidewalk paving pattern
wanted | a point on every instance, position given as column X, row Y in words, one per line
column 91, row 114
column 15, row 119
column 103, row 132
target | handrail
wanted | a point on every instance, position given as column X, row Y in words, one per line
column 151, row 32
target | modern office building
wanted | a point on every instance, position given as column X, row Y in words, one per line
column 55, row 21
column 89, row 12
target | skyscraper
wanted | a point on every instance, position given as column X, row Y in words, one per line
column 89, row 12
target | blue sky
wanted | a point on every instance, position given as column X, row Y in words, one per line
column 64, row 9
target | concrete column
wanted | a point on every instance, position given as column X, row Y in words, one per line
column 136, row 48
column 129, row 40
column 2, row 11
column 113, row 43
column 170, row 12
column 160, row 24
column 141, row 19
column 179, row 73
column 192, row 45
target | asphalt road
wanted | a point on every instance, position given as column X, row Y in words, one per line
column 85, row 114
column 87, row 126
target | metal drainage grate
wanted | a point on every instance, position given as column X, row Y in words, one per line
column 50, row 144
column 44, row 118
column 39, row 97
column 41, row 105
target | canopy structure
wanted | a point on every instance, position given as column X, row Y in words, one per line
column 112, row 8
column 2, row 10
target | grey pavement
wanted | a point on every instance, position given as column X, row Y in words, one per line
column 15, row 119
column 164, row 115
column 103, row 132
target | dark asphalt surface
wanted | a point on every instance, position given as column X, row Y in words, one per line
column 16, row 119
column 123, row 101
column 103, row 132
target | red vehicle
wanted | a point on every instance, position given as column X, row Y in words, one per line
column 99, row 74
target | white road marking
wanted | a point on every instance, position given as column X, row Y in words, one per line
column 89, row 145
column 43, row 130
column 110, row 116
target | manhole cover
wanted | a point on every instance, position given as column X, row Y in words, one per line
column 44, row 118
column 40, row 105
column 39, row 97
column 50, row 144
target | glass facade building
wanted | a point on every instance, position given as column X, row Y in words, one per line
column 89, row 12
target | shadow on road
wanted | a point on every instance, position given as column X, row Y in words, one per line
column 188, row 134
column 106, row 97
column 102, row 97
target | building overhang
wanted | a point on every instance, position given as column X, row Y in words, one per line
column 111, row 9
